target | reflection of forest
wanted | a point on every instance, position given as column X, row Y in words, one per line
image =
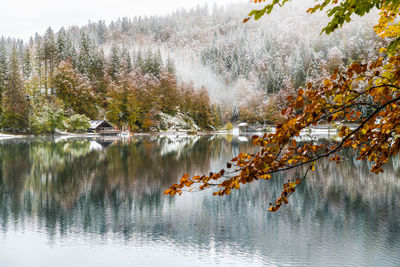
column 88, row 182
column 118, row 188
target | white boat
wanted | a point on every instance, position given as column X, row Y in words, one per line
column 125, row 134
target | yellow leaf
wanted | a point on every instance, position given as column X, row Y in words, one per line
column 338, row 98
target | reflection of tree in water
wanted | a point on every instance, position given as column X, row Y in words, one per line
column 66, row 186
column 342, row 191
column 337, row 204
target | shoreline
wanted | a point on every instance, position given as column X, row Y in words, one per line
column 319, row 130
column 6, row 136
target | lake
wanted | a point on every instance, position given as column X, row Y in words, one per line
column 100, row 202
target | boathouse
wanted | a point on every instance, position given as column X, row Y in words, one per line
column 99, row 126
column 243, row 127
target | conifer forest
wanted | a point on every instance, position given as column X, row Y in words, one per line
column 203, row 64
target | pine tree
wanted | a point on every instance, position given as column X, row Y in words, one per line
column 298, row 73
column 72, row 53
column 170, row 66
column 202, row 109
column 139, row 62
column 84, row 58
column 14, row 102
column 27, row 63
column 3, row 69
column 158, row 62
column 216, row 116
column 49, row 56
column 65, row 49
column 97, row 73
column 115, row 64
column 125, row 25
column 20, row 49
column 153, row 63
column 101, row 32
column 126, row 62
column 168, row 94
column 62, row 51
column 37, row 59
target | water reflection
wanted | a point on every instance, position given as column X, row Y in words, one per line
column 104, row 189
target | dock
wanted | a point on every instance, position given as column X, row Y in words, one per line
column 110, row 132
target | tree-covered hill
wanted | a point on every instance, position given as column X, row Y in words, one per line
column 133, row 69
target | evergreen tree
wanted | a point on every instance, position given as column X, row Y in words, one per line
column 126, row 62
column 97, row 73
column 65, row 48
column 169, row 93
column 20, row 49
column 139, row 62
column 62, row 49
column 14, row 102
column 216, row 116
column 72, row 53
column 115, row 63
column 37, row 59
column 298, row 73
column 27, row 63
column 170, row 66
column 153, row 63
column 49, row 56
column 3, row 69
column 84, row 58
column 101, row 32
column 201, row 109
column 125, row 25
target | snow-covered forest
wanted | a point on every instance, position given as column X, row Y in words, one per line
column 202, row 64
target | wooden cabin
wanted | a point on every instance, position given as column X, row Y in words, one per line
column 103, row 127
column 243, row 127
column 100, row 125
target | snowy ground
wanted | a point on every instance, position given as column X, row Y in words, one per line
column 177, row 123
column 9, row 136
column 4, row 136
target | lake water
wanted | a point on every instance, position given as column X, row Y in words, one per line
column 100, row 202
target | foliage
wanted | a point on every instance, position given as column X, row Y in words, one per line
column 229, row 126
column 47, row 119
column 78, row 123
column 75, row 90
column 374, row 135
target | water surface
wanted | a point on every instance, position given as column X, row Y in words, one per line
column 100, row 202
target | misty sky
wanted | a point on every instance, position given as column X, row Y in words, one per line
column 22, row 18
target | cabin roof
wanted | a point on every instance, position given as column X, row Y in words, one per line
column 96, row 123
column 242, row 124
